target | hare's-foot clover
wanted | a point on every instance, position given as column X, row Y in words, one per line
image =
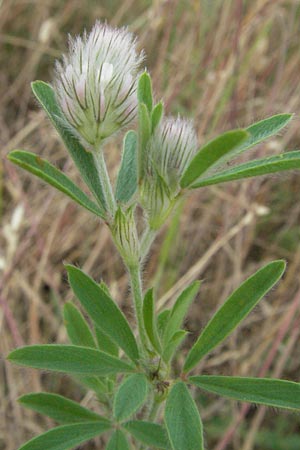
column 95, row 86
column 96, row 94
column 96, row 83
column 168, row 153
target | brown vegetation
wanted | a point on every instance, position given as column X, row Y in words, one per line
column 225, row 63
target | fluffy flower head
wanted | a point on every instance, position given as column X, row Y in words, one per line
column 171, row 149
column 96, row 82
column 169, row 152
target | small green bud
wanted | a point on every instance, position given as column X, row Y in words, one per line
column 157, row 200
column 125, row 236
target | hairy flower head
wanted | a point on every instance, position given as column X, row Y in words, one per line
column 169, row 151
column 96, row 82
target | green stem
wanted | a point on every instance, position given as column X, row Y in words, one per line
column 136, row 286
column 154, row 410
column 146, row 241
column 105, row 181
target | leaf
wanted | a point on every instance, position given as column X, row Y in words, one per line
column 96, row 384
column 234, row 310
column 59, row 408
column 156, row 115
column 104, row 287
column 118, row 441
column 211, row 153
column 130, row 396
column 262, row 130
column 127, row 176
column 265, row 391
column 144, row 134
column 49, row 173
column 180, row 310
column 77, row 328
column 66, row 436
column 149, row 433
column 103, row 310
column 82, row 159
column 149, row 320
column 258, row 132
column 70, row 359
column 144, row 91
column 162, row 320
column 105, row 343
column 173, row 344
column 278, row 163
column 182, row 419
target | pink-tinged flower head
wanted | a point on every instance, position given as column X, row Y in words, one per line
column 96, row 83
column 169, row 151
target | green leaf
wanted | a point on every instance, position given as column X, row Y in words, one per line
column 103, row 310
column 144, row 91
column 149, row 320
column 258, row 132
column 118, row 441
column 59, row 408
column 70, row 359
column 77, row 328
column 82, row 159
column 104, row 287
column 278, row 163
column 173, row 344
column 49, row 173
column 66, row 437
column 262, row 130
column 265, row 391
column 130, row 396
column 127, row 176
column 211, row 153
column 105, row 343
column 182, row 419
column 234, row 310
column 144, row 134
column 180, row 310
column 149, row 433
column 162, row 320
column 96, row 384
column 156, row 115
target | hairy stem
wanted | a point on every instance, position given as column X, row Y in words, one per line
column 154, row 410
column 137, row 293
column 105, row 181
column 146, row 241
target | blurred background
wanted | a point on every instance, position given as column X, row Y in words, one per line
column 225, row 63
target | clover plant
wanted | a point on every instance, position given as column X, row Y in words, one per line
column 98, row 90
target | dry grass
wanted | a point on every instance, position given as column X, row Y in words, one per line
column 225, row 63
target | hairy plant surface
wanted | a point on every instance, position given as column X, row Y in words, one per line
column 237, row 240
